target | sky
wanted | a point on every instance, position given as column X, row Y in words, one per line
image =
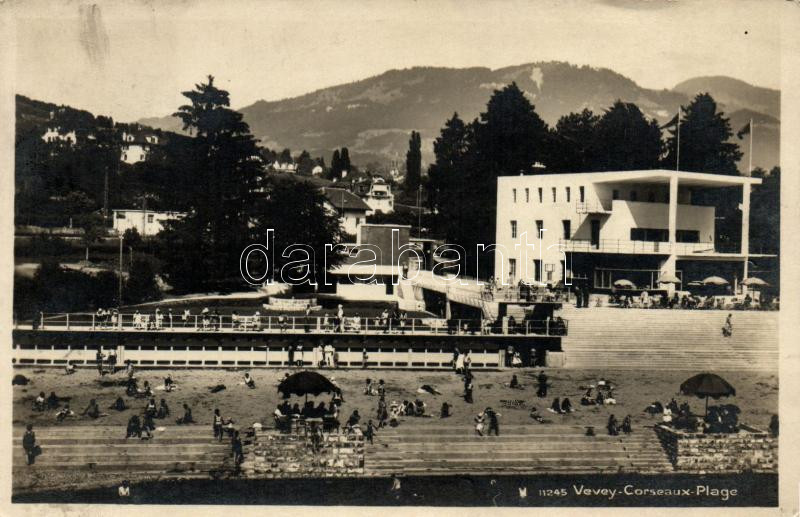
column 131, row 59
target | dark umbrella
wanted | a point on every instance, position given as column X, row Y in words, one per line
column 306, row 383
column 706, row 385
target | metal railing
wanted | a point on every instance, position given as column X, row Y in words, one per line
column 294, row 324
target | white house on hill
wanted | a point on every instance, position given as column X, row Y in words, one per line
column 146, row 222
column 351, row 210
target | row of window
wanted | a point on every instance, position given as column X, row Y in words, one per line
column 537, row 270
column 554, row 193
column 566, row 225
column 634, row 196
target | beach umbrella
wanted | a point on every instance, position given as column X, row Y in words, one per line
column 306, row 383
column 626, row 284
column 695, row 283
column 705, row 385
column 754, row 282
column 715, row 280
column 668, row 278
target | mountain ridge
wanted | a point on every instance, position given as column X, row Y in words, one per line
column 374, row 116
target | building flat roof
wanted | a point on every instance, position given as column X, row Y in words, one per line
column 696, row 179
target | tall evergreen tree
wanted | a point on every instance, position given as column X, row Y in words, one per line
column 413, row 164
column 202, row 249
column 705, row 134
column 626, row 140
column 344, row 155
column 450, row 150
column 336, row 166
column 574, row 143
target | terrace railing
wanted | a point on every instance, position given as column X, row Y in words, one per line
column 127, row 322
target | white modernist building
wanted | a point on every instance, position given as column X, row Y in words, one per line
column 604, row 226
column 146, row 222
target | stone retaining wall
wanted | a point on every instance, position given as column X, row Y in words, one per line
column 749, row 450
column 275, row 455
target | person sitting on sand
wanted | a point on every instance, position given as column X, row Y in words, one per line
column 150, row 408
column 134, row 427
column 119, row 404
column 600, row 399
column 69, row 369
column 39, row 403
column 445, row 413
column 169, row 385
column 64, row 413
column 609, row 399
column 146, row 391
column 148, row 425
column 667, row 416
column 515, row 383
column 536, row 416
column 587, row 399
column 92, row 410
column 480, row 423
column 187, row 416
column 248, row 381
column 612, row 427
column 566, row 406
column 655, row 408
column 52, row 401
column 626, row 425
column 673, row 406
column 368, row 389
column 419, row 407
column 555, row 407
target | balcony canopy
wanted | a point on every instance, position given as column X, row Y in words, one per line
column 663, row 176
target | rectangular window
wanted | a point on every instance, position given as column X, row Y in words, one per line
column 649, row 234
column 567, row 194
column 581, row 193
column 514, row 194
column 554, row 194
column 615, row 194
column 527, row 195
column 149, row 218
column 540, row 194
column 687, row 236
column 513, row 229
column 633, row 195
column 512, row 268
column 567, row 228
column 537, row 270
column 120, row 215
column 539, row 228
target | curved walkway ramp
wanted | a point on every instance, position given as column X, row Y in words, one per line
column 176, row 451
column 628, row 339
column 520, row 449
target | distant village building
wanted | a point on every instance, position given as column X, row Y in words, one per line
column 287, row 167
column 350, row 208
column 146, row 222
column 376, row 193
column 136, row 146
column 54, row 134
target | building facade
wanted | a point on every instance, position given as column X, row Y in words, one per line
column 350, row 209
column 376, row 193
column 146, row 222
column 601, row 227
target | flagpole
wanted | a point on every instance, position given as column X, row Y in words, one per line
column 750, row 170
column 678, row 146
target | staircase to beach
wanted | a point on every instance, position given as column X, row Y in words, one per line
column 614, row 338
column 180, row 451
column 414, row 449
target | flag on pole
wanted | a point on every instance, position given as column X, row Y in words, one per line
column 744, row 131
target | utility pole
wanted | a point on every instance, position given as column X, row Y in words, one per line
column 119, row 294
